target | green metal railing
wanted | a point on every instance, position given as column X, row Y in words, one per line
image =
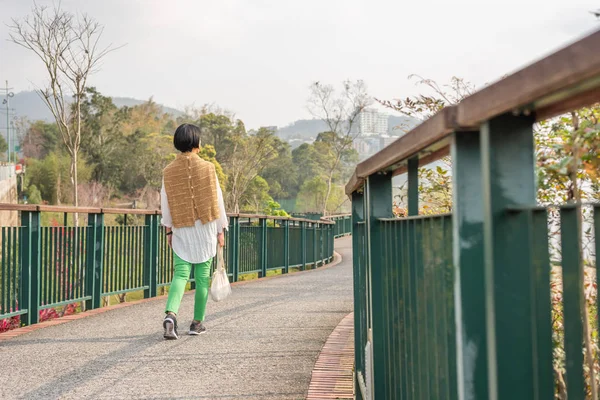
column 343, row 224
column 459, row 305
column 10, row 279
column 50, row 266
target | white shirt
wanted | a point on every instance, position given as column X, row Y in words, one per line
column 195, row 244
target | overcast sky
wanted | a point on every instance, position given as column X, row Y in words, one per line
column 258, row 57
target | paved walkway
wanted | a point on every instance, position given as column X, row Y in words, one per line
column 261, row 343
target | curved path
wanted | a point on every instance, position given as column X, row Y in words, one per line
column 261, row 343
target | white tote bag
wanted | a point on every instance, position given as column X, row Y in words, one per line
column 220, row 287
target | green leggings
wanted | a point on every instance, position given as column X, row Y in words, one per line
column 180, row 278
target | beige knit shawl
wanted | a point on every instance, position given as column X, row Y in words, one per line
column 191, row 187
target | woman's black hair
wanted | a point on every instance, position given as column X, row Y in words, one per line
column 186, row 138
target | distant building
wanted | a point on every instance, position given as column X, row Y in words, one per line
column 360, row 146
column 372, row 123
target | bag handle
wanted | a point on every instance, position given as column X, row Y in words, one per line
column 220, row 260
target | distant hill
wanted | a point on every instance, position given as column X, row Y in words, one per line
column 310, row 128
column 302, row 129
column 29, row 104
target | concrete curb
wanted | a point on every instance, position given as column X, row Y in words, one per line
column 337, row 258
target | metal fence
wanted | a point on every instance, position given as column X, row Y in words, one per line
column 343, row 224
column 459, row 305
column 50, row 266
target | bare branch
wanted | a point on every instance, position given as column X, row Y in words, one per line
column 68, row 46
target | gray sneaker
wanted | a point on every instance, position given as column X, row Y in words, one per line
column 197, row 328
column 170, row 326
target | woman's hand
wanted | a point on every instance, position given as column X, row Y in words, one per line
column 221, row 239
column 170, row 237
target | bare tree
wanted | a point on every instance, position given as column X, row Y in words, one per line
column 68, row 46
column 340, row 111
column 250, row 155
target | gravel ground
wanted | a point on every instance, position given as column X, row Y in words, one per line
column 261, row 343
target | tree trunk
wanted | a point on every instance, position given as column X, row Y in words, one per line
column 74, row 182
column 58, row 189
column 330, row 181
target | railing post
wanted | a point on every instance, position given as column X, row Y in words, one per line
column 360, row 295
column 378, row 205
column 469, row 288
column 508, row 178
column 315, row 257
column 303, row 243
column 95, row 260
column 234, row 243
column 263, row 248
column 325, row 238
column 415, row 296
column 29, row 290
column 413, row 186
column 150, row 255
column 323, row 242
column 286, row 246
column 331, row 240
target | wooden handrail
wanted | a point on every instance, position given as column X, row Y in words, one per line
column 337, row 216
column 563, row 81
column 91, row 210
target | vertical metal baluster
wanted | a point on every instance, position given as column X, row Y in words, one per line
column 71, row 253
column 113, row 262
column 51, row 264
column 121, row 258
column 5, row 298
column 10, row 265
column 572, row 271
column 15, row 262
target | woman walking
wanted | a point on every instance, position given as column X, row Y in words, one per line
column 194, row 215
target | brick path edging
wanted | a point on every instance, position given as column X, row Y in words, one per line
column 333, row 374
column 58, row 321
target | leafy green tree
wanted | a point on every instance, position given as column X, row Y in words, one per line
column 208, row 153
column 41, row 138
column 311, row 195
column 218, row 131
column 3, row 146
column 51, row 176
column 256, row 198
column 274, row 208
column 336, row 159
column 103, row 142
column 568, row 154
column 282, row 174
column 306, row 160
column 33, row 195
